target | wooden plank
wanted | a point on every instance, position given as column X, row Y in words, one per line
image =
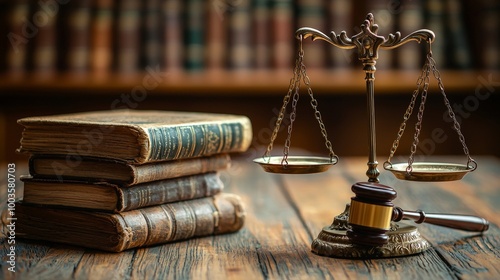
column 104, row 265
column 26, row 255
column 201, row 258
column 59, row 262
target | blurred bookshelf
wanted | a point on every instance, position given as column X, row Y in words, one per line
column 223, row 45
column 240, row 53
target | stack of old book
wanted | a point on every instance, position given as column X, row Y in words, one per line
column 119, row 179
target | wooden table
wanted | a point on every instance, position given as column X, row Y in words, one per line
column 284, row 214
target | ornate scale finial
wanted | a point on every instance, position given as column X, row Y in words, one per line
column 368, row 42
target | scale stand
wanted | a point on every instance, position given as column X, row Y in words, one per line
column 403, row 239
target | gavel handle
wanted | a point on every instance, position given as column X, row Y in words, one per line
column 462, row 222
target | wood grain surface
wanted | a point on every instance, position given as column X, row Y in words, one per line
column 284, row 214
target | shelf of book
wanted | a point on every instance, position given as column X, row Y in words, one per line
column 126, row 42
column 232, row 83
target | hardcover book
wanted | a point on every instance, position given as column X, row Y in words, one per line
column 194, row 34
column 217, row 36
column 77, row 20
column 261, row 33
column 136, row 136
column 435, row 21
column 101, row 33
column 109, row 197
column 64, row 167
column 339, row 17
column 311, row 13
column 240, row 48
column 44, row 54
column 151, row 31
column 282, row 25
column 148, row 226
column 173, row 37
column 410, row 19
column 128, row 36
column 17, row 50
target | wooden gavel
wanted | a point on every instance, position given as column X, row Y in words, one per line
column 372, row 211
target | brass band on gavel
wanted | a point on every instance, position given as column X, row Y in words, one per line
column 370, row 215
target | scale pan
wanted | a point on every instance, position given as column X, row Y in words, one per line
column 296, row 164
column 430, row 171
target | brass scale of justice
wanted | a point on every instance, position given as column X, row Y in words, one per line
column 369, row 227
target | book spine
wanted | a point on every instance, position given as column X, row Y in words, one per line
column 173, row 169
column 16, row 57
column 194, row 35
column 45, row 166
column 435, row 22
column 311, row 13
column 101, row 46
column 77, row 24
column 458, row 45
column 216, row 37
column 240, row 47
column 411, row 18
column 339, row 20
column 261, row 33
column 220, row 214
column 282, row 29
column 182, row 220
column 21, row 30
column 179, row 142
column 488, row 39
column 151, row 32
column 128, row 37
column 173, row 35
column 167, row 191
column 44, row 55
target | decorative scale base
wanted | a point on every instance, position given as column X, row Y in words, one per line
column 332, row 241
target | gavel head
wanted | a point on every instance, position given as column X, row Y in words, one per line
column 370, row 213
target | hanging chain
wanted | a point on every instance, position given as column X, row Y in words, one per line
column 420, row 115
column 406, row 116
column 471, row 163
column 317, row 114
column 430, row 65
column 299, row 73
column 293, row 114
column 294, row 82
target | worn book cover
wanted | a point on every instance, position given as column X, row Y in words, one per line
column 136, row 136
column 148, row 226
column 111, row 197
column 66, row 167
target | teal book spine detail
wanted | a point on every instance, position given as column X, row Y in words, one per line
column 169, row 143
